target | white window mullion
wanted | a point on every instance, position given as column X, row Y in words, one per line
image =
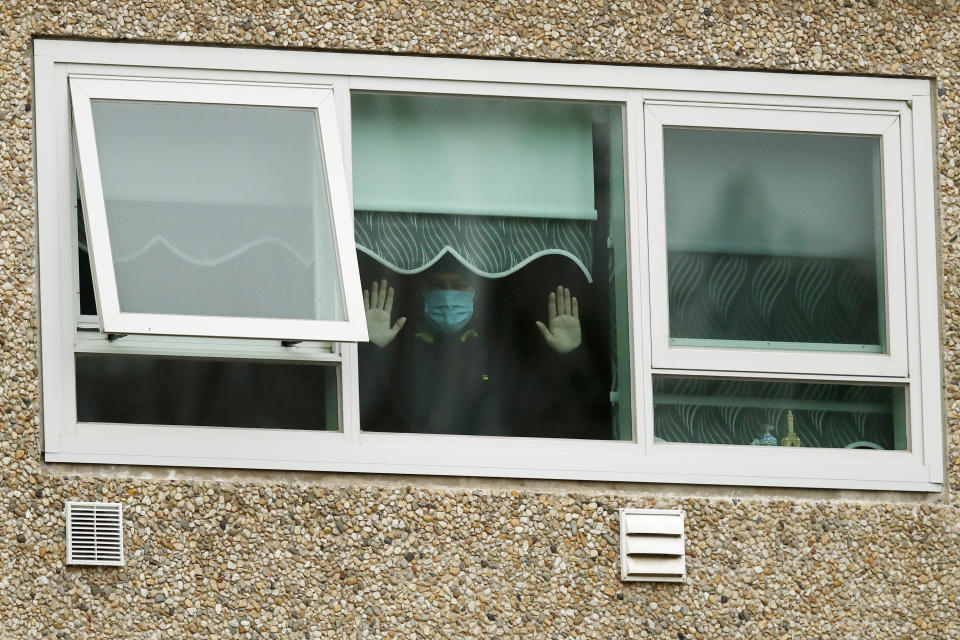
column 56, row 267
column 87, row 341
column 896, row 184
column 349, row 367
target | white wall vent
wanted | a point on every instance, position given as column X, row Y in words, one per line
column 95, row 533
column 652, row 545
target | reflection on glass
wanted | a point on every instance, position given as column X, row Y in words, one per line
column 476, row 219
column 774, row 239
column 216, row 393
column 217, row 210
column 760, row 412
column 88, row 302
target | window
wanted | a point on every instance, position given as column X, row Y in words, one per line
column 210, row 209
column 772, row 222
column 345, row 262
column 769, row 226
column 483, row 216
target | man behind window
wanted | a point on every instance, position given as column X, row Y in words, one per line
column 461, row 368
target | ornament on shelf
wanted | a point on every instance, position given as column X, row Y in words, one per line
column 767, row 439
column 791, row 439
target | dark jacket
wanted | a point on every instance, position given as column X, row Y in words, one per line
column 481, row 383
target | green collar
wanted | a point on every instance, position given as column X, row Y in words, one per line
column 429, row 338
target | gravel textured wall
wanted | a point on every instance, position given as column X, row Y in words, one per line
column 297, row 556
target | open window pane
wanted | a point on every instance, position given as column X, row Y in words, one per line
column 774, row 239
column 539, row 204
column 214, row 393
column 217, row 210
column 776, row 413
column 210, row 214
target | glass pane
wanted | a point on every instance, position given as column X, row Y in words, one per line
column 471, row 280
column 774, row 240
column 217, row 210
column 760, row 412
column 216, row 393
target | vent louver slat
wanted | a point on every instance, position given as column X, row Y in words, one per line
column 652, row 545
column 95, row 533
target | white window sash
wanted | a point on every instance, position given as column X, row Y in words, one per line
column 795, row 359
column 319, row 98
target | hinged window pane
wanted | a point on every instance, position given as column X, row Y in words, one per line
column 216, row 215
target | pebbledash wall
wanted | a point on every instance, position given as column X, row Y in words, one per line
column 296, row 555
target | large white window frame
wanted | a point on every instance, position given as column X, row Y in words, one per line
column 913, row 360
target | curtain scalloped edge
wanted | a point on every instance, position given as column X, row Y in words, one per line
column 211, row 262
column 485, row 274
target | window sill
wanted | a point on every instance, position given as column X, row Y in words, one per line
column 492, row 457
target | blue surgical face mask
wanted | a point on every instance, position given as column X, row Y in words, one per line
column 448, row 311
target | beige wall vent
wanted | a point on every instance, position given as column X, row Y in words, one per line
column 652, row 545
column 95, row 533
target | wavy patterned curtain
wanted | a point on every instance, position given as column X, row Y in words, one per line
column 775, row 298
column 785, row 299
column 492, row 247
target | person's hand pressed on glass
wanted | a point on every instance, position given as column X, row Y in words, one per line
column 378, row 302
column 562, row 331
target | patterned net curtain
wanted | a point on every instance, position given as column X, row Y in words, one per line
column 773, row 298
column 490, row 246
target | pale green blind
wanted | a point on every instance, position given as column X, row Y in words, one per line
column 472, row 156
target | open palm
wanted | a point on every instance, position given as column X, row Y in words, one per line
column 562, row 331
column 378, row 303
